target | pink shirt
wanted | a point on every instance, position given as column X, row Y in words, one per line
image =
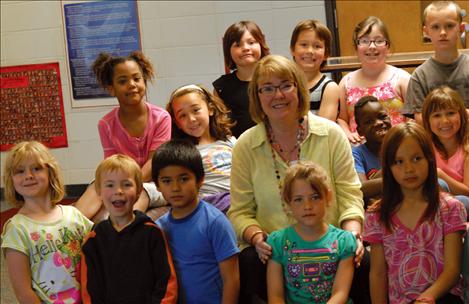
column 415, row 258
column 454, row 166
column 115, row 139
column 385, row 92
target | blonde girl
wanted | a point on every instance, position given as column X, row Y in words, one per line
column 415, row 231
column 202, row 118
column 42, row 242
column 136, row 128
column 375, row 77
column 312, row 261
column 243, row 46
column 444, row 118
column 310, row 46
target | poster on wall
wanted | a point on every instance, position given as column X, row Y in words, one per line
column 92, row 28
column 31, row 105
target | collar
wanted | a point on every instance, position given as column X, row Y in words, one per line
column 316, row 126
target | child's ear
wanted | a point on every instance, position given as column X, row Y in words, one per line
column 200, row 183
column 359, row 131
column 111, row 91
column 425, row 30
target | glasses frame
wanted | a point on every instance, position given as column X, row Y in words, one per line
column 386, row 42
column 267, row 94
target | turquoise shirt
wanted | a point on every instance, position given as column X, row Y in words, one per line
column 309, row 268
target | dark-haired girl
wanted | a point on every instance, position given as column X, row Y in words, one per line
column 415, row 231
column 136, row 128
column 243, row 46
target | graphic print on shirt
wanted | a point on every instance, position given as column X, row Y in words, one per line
column 55, row 260
column 57, row 279
column 311, row 269
column 218, row 160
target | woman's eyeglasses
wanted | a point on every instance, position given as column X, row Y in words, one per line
column 269, row 90
column 368, row 41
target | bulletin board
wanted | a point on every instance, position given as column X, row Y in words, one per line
column 93, row 27
column 31, row 105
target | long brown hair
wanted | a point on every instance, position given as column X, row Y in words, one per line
column 220, row 123
column 392, row 193
column 443, row 98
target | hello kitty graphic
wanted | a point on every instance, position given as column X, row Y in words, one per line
column 57, row 279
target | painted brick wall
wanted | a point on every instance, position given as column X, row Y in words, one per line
column 182, row 38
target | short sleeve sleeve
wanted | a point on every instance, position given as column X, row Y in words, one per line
column 105, row 137
column 358, row 160
column 275, row 241
column 347, row 245
column 223, row 238
column 84, row 221
column 161, row 129
column 14, row 237
column 453, row 216
column 373, row 230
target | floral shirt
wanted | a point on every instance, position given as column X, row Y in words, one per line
column 385, row 92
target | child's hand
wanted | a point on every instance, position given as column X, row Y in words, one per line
column 354, row 138
column 264, row 250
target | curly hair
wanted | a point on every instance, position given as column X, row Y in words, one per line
column 220, row 123
column 104, row 65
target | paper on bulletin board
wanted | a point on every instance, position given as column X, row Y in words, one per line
column 91, row 28
column 31, row 105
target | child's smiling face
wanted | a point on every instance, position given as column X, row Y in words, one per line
column 118, row 191
column 192, row 116
column 309, row 51
column 373, row 122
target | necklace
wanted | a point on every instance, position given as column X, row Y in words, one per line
column 299, row 137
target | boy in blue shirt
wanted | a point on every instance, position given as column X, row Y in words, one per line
column 373, row 123
column 201, row 238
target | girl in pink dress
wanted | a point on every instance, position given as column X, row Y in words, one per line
column 415, row 231
column 444, row 118
column 375, row 77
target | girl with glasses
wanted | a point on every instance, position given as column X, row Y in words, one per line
column 374, row 78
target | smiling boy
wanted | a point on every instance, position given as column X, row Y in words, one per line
column 443, row 24
column 373, row 122
column 125, row 258
column 201, row 238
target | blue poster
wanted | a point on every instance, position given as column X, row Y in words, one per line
column 95, row 27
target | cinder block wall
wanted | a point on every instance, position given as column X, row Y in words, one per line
column 182, row 38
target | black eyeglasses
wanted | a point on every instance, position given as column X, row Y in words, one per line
column 368, row 41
